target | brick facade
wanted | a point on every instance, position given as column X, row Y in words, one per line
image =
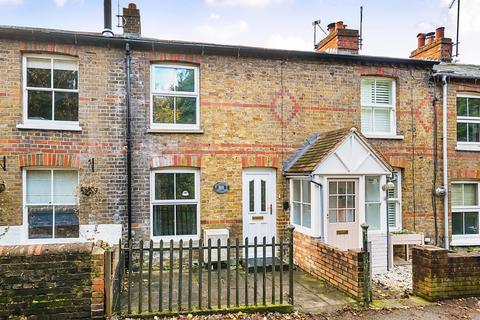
column 254, row 112
column 439, row 274
column 58, row 281
column 341, row 269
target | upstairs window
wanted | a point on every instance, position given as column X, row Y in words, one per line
column 50, row 91
column 468, row 120
column 174, row 97
column 301, row 203
column 378, row 106
column 51, row 204
column 465, row 208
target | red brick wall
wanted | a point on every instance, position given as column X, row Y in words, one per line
column 439, row 274
column 341, row 269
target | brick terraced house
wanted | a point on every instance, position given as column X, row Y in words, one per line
column 106, row 135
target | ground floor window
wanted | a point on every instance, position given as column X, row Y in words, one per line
column 372, row 202
column 174, row 203
column 301, row 203
column 51, row 203
column 465, row 208
column 395, row 203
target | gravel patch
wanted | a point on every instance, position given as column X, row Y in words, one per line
column 398, row 280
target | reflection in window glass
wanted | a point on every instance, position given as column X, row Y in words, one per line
column 301, row 203
column 465, row 209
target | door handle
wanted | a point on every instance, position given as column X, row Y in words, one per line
column 271, row 208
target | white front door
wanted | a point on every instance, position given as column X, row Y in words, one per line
column 259, row 207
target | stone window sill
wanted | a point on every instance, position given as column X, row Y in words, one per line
column 467, row 147
column 52, row 127
column 199, row 130
column 384, row 136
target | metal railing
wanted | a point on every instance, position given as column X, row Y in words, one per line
column 173, row 278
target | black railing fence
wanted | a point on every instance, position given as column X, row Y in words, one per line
column 177, row 277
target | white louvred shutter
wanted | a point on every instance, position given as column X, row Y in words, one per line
column 368, row 92
column 383, row 92
column 382, row 120
column 367, row 120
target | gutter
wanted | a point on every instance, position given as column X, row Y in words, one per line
column 128, row 60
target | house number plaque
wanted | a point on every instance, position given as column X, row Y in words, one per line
column 221, row 187
column 342, row 231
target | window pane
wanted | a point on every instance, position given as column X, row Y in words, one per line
column 296, row 190
column 373, row 215
column 351, row 187
column 474, row 107
column 367, row 119
column 462, row 132
column 163, row 109
column 66, row 222
column 65, row 74
column 471, row 222
column 342, row 187
column 306, row 216
column 342, row 201
column 351, row 202
column 40, row 222
column 457, row 194
column 457, row 223
column 332, row 216
column 462, row 107
column 306, row 191
column 39, row 186
column 185, row 186
column 332, row 202
column 164, row 186
column 470, row 194
column 174, row 79
column 38, row 73
column 372, row 189
column 163, row 220
column 296, row 213
column 39, row 105
column 263, row 191
column 186, row 112
column 381, row 120
column 341, row 215
column 65, row 186
column 473, row 132
column 66, row 106
column 186, row 219
column 251, row 195
column 332, row 187
column 350, row 215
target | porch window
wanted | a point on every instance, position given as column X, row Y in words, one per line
column 50, row 92
column 465, row 208
column 372, row 202
column 51, row 204
column 341, row 201
column 378, row 106
column 395, row 203
column 468, row 120
column 175, row 210
column 301, row 203
column 174, row 97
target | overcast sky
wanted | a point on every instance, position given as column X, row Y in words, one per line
column 390, row 26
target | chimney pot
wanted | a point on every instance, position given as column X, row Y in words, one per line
column 132, row 6
column 339, row 25
column 430, row 36
column 440, row 33
column 421, row 40
column 331, row 27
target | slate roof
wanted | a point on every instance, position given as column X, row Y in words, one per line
column 326, row 143
column 456, row 70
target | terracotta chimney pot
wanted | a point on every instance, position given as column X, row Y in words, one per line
column 440, row 33
column 339, row 25
column 331, row 27
column 421, row 40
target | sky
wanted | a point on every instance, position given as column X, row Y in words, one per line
column 389, row 26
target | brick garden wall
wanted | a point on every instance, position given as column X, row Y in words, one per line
column 341, row 269
column 55, row 281
column 439, row 274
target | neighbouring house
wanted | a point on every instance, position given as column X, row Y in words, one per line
column 106, row 136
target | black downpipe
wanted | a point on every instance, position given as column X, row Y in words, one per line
column 128, row 60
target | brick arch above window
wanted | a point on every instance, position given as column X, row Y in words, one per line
column 49, row 160
column 464, row 174
column 48, row 48
column 376, row 71
column 156, row 57
column 260, row 161
column 176, row 160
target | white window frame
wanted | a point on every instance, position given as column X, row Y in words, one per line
column 398, row 203
column 300, row 227
column 466, row 239
column 48, row 124
column 25, row 207
column 380, row 201
column 195, row 94
column 196, row 201
column 466, row 145
column 392, row 107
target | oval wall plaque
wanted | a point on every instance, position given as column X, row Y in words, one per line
column 221, row 187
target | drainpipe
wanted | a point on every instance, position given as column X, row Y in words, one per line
column 318, row 184
column 445, row 160
column 128, row 60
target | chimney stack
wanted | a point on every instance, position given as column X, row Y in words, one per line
column 107, row 18
column 433, row 46
column 339, row 39
column 131, row 21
